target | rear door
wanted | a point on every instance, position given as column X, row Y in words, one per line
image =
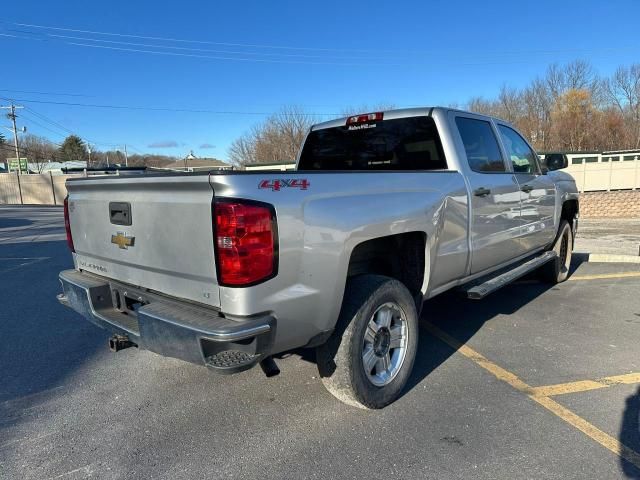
column 495, row 193
column 537, row 191
column 154, row 232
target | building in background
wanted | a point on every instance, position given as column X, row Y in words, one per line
column 192, row 163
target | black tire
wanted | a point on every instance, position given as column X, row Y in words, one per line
column 340, row 359
column 557, row 270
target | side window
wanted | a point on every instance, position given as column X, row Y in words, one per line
column 480, row 145
column 521, row 156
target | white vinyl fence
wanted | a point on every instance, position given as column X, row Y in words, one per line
column 592, row 172
column 34, row 189
column 605, row 171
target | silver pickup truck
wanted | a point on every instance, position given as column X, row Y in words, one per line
column 384, row 210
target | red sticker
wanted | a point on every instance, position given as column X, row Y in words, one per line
column 279, row 184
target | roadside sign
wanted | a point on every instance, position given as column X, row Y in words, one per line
column 12, row 163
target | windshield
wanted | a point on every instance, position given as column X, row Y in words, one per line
column 410, row 143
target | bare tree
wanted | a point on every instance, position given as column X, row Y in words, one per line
column 364, row 108
column 623, row 91
column 482, row 106
column 39, row 150
column 277, row 139
column 536, row 121
column 555, row 81
column 510, row 106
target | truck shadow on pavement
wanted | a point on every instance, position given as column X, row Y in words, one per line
column 463, row 318
column 630, row 432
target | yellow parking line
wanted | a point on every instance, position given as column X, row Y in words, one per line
column 603, row 275
column 604, row 439
column 496, row 370
column 585, row 385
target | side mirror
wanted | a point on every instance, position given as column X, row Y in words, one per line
column 556, row 161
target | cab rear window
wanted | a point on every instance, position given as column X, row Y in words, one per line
column 410, row 143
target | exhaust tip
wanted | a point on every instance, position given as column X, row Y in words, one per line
column 269, row 367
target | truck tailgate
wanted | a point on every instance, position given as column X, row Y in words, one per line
column 161, row 240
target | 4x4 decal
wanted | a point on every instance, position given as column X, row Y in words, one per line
column 279, row 184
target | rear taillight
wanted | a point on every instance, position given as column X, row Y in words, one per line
column 67, row 224
column 245, row 242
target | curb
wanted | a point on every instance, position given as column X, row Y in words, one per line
column 607, row 257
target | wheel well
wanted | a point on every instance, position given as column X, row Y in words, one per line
column 570, row 209
column 398, row 256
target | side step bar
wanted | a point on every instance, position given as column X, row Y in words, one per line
column 479, row 291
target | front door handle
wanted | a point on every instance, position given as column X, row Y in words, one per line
column 526, row 188
column 481, row 192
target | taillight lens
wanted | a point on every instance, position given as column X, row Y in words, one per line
column 245, row 236
column 67, row 224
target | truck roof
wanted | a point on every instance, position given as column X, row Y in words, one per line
column 391, row 114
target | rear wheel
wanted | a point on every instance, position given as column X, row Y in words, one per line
column 557, row 270
column 368, row 359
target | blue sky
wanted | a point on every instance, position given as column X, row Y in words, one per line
column 329, row 55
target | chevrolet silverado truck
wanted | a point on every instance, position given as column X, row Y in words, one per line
column 384, row 210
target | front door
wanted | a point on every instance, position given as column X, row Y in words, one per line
column 495, row 195
column 537, row 191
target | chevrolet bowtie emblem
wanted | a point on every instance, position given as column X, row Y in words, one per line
column 122, row 240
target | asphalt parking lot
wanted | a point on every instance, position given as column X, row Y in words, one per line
column 533, row 382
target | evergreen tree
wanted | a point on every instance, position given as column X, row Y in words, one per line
column 73, row 148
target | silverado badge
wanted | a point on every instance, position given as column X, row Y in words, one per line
column 122, row 240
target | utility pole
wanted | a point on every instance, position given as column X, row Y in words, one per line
column 12, row 115
column 126, row 157
column 89, row 150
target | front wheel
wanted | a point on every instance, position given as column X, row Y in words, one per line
column 369, row 357
column 557, row 270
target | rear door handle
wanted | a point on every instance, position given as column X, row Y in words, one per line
column 481, row 192
column 526, row 188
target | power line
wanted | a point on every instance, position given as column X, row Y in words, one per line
column 209, row 57
column 164, row 109
column 237, row 59
column 287, row 47
column 226, row 55
column 192, row 49
column 45, row 93
column 53, row 122
column 168, row 39
column 31, row 120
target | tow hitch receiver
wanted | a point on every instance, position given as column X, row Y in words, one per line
column 120, row 342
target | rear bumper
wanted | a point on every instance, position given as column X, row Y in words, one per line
column 169, row 327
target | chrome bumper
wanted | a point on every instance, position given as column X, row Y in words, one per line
column 169, row 327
